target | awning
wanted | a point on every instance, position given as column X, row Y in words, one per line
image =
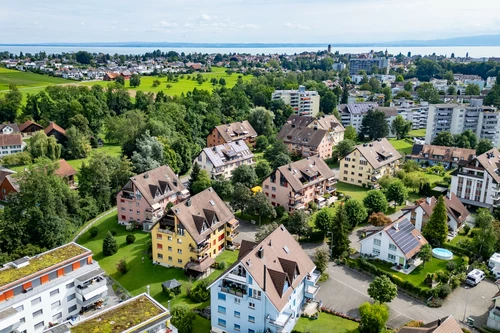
column 156, row 206
column 96, row 292
column 200, row 267
column 90, row 275
column 233, row 222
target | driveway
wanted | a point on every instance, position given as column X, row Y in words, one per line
column 247, row 231
column 346, row 290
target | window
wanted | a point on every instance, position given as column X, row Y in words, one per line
column 237, row 327
column 70, row 285
column 54, row 292
column 56, row 316
column 71, row 297
column 250, row 281
column 160, row 256
column 251, row 305
column 376, row 242
column 20, row 308
column 72, row 309
column 159, row 236
column 36, row 301
column 179, row 251
column 39, row 326
column 273, row 189
column 55, row 304
column 376, row 252
column 392, row 247
column 138, row 212
column 222, row 322
column 221, row 309
column 251, row 319
column 346, row 165
column 179, row 241
column 22, row 320
column 237, row 314
column 179, row 261
column 169, row 238
column 237, row 300
column 138, row 195
column 159, row 246
column 391, row 257
column 251, row 330
column 221, row 296
column 200, row 158
column 256, row 294
column 169, row 258
column 37, row 313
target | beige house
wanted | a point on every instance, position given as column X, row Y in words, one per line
column 306, row 141
column 295, row 185
column 368, row 162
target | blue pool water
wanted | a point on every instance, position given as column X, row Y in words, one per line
column 441, row 253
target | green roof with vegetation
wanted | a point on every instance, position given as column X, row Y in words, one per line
column 40, row 262
column 121, row 318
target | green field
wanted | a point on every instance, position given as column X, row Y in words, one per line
column 419, row 132
column 26, row 79
column 326, row 323
column 355, row 192
column 401, row 145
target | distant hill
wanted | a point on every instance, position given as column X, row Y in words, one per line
column 482, row 40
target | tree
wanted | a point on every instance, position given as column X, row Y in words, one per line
column 483, row 218
column 350, row 133
column 241, row 198
column 484, row 241
column 183, row 318
column 428, row 93
column 472, row 89
column 396, row 192
column 259, row 205
column 324, row 220
column 40, row 145
column 77, row 144
column 375, row 202
column 339, row 237
column 374, row 125
column 109, row 245
column 148, row 154
column 244, row 174
column 321, row 258
column 120, row 80
column 400, row 78
column 261, row 120
column 356, row 212
column 444, row 138
column 425, row 254
column 401, row 127
column 121, row 265
column 483, row 146
column 451, row 90
column 408, row 86
column 343, row 148
column 222, row 81
column 379, row 219
column 83, row 57
column 382, row 289
column 470, row 136
column 374, row 83
column 264, row 231
column 281, row 159
column 328, row 102
column 195, row 172
column 297, row 223
column 414, row 181
column 373, row 317
column 10, row 102
column 436, row 230
column 261, row 143
column 276, row 148
column 135, row 80
column 223, row 188
column 202, row 183
column 263, row 169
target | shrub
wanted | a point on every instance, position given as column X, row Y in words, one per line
column 222, row 265
column 435, row 303
column 121, row 266
column 130, row 239
column 200, row 293
column 280, row 211
column 109, row 246
column 113, row 232
column 93, row 231
column 182, row 318
column 451, row 266
column 442, row 276
column 466, row 229
column 442, row 291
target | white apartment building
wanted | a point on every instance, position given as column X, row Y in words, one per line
column 49, row 288
column 366, row 64
column 417, row 114
column 304, row 102
column 457, row 118
column 353, row 113
column 477, row 182
column 221, row 160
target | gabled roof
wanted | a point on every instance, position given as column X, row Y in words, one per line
column 274, row 262
column 10, row 140
column 490, row 161
column 305, row 136
column 236, row 131
column 199, row 211
column 358, row 108
column 379, row 152
column 454, row 207
column 443, row 325
column 329, row 123
column 65, row 170
column 162, row 181
column 55, row 127
column 15, row 128
column 13, row 182
column 27, row 124
column 226, row 153
column 448, row 153
column 309, row 166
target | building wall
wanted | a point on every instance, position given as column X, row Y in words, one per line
column 476, row 188
column 226, row 170
column 303, row 102
column 215, row 139
column 6, row 188
column 7, row 150
column 382, row 251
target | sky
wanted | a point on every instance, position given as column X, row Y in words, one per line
column 244, row 21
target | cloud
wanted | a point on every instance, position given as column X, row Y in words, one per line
column 249, row 27
column 205, row 17
column 165, row 24
column 296, row 26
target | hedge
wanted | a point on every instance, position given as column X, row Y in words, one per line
column 455, row 249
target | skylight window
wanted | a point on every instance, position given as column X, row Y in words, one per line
column 286, row 249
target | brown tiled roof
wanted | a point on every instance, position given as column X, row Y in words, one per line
column 375, row 152
column 271, row 270
column 304, row 136
column 299, row 121
column 112, row 75
column 311, row 165
column 489, row 161
column 161, row 180
column 13, row 182
column 443, row 325
column 236, row 131
column 65, row 170
column 15, row 128
column 54, row 126
column 454, row 207
column 28, row 123
column 329, row 123
column 10, row 140
column 5, row 173
column 246, row 246
column 196, row 214
column 448, row 153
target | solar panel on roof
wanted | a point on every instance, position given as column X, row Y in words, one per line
column 403, row 237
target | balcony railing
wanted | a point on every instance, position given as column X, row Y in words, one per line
column 128, row 195
column 166, row 231
column 281, row 321
column 232, row 236
column 199, row 250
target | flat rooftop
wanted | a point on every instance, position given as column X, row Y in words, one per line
column 40, row 262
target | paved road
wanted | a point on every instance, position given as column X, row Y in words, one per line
column 346, row 290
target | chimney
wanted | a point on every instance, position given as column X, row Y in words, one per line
column 396, row 226
column 188, row 202
column 289, row 167
column 265, row 273
column 428, row 200
column 146, row 175
column 260, row 253
column 439, row 322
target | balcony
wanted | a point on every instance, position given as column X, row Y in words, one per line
column 313, row 278
column 312, row 291
column 128, row 195
column 200, row 249
column 230, row 237
column 234, row 288
column 296, row 195
column 282, row 320
column 10, row 320
column 231, row 226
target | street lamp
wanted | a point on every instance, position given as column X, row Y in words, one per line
column 331, row 243
column 466, row 299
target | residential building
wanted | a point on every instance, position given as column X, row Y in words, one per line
column 145, row 197
column 9, row 129
column 477, row 182
column 494, row 313
column 353, row 113
column 109, row 76
column 420, row 213
column 439, row 84
column 8, row 185
column 221, row 160
column 266, row 288
column 339, row 66
column 67, row 172
column 303, row 102
column 48, row 288
column 397, row 243
column 367, row 64
column 443, row 325
column 29, row 127
column 11, row 144
column 57, row 131
column 416, row 113
column 449, row 157
column 232, row 132
column 141, row 313
column 295, row 185
column 193, row 233
column 306, row 141
column 368, row 162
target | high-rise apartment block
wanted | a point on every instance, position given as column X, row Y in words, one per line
column 304, row 102
column 367, row 64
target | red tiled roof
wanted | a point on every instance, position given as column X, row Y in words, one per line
column 65, row 170
column 28, row 123
column 10, row 140
column 54, row 126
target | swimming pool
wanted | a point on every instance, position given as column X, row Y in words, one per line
column 441, row 253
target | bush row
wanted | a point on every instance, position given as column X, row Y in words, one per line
column 339, row 314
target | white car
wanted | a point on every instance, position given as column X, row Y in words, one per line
column 474, row 277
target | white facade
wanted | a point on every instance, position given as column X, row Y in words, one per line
column 382, row 247
column 12, row 149
column 303, row 102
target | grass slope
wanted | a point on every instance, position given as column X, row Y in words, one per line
column 26, row 79
column 355, row 192
column 401, row 145
column 326, row 323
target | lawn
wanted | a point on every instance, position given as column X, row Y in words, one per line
column 355, row 192
column 26, row 79
column 401, row 145
column 417, row 277
column 458, row 238
column 326, row 323
column 419, row 132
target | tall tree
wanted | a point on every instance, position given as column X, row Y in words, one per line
column 40, row 145
column 401, row 127
column 241, row 198
column 109, row 245
column 472, row 89
column 356, row 212
column 244, row 174
column 444, row 138
column 264, row 231
column 259, row 205
column 374, row 125
column 148, row 154
column 350, row 133
column 382, row 289
column 428, row 93
column 77, row 144
column 202, row 183
column 135, row 80
column 10, row 103
column 397, row 192
column 263, row 169
column 436, row 230
column 328, row 102
column 195, row 172
column 425, row 254
column 343, row 148
column 375, row 202
column 261, row 120
column 321, row 258
column 297, row 223
column 339, row 237
column 183, row 318
column 324, row 220
column 373, row 317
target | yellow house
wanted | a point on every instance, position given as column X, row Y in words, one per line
column 193, row 233
column 368, row 162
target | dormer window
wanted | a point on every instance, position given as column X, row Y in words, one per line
column 138, row 195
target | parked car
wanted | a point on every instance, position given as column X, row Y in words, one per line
column 494, row 260
column 474, row 277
